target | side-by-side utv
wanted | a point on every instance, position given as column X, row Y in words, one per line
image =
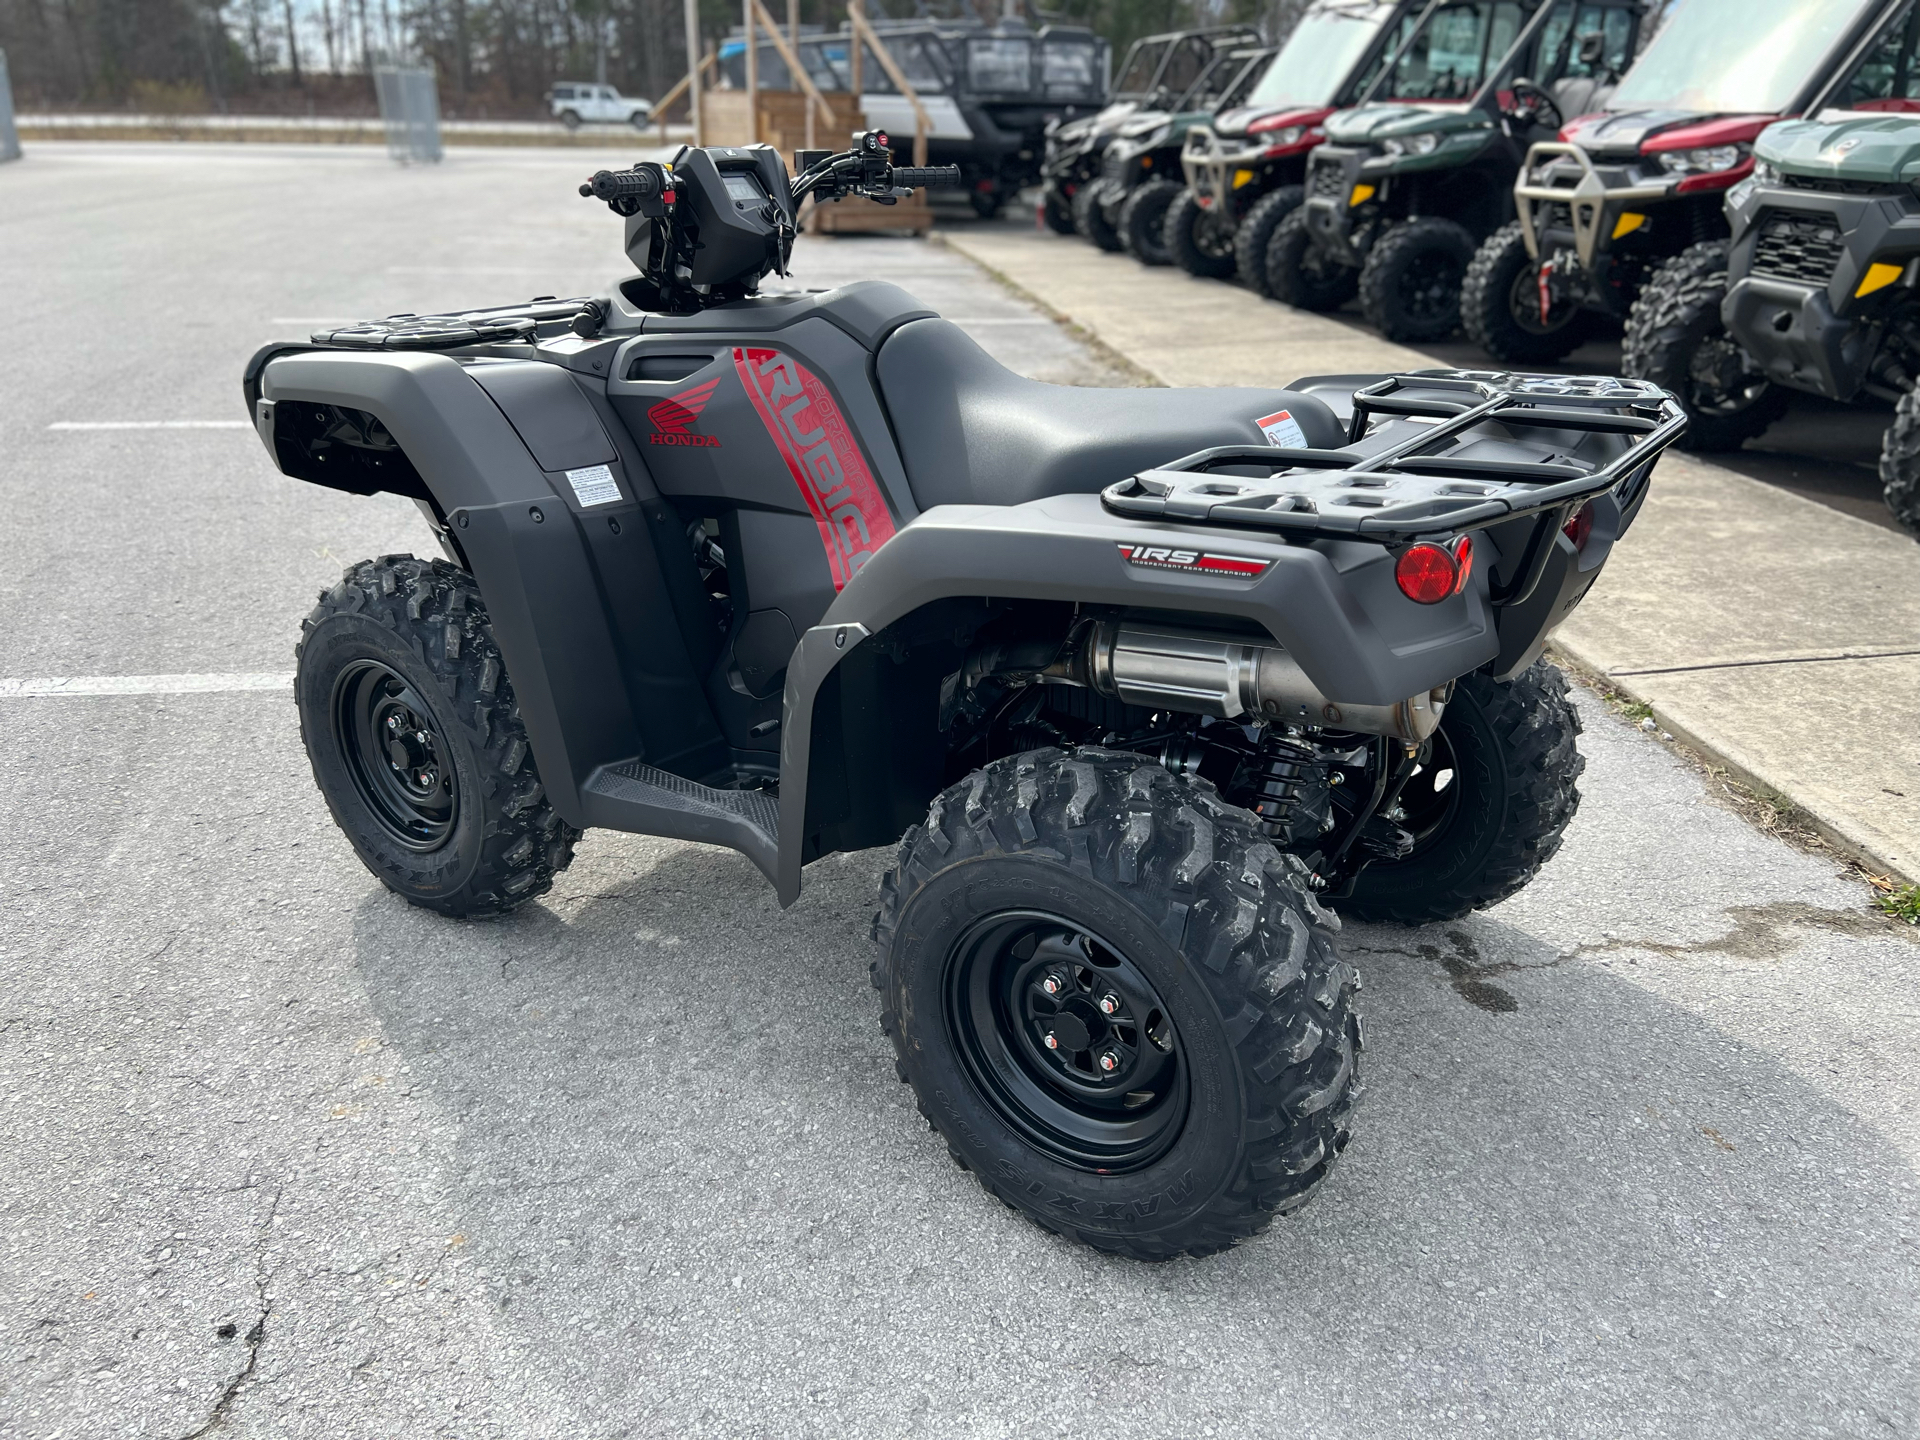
column 1243, row 167
column 1156, row 72
column 1626, row 189
column 1411, row 181
column 1142, row 689
column 1819, row 287
column 1126, row 208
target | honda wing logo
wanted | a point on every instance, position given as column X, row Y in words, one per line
column 672, row 416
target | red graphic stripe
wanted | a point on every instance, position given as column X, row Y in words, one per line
column 822, row 456
column 1229, row 565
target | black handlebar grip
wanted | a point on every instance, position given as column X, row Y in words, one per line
column 912, row 177
column 623, row 185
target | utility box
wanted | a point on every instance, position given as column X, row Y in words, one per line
column 410, row 109
column 9, row 135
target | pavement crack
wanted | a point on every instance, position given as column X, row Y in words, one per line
column 256, row 1335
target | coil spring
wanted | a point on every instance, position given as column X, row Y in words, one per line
column 1287, row 769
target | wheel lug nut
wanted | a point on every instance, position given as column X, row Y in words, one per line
column 1109, row 1004
column 1051, row 1041
column 1109, row 1061
column 393, row 722
column 1051, row 985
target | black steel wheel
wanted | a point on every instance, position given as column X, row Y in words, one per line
column 1494, row 794
column 1117, row 1003
column 416, row 741
column 1676, row 338
column 1068, row 1040
column 396, row 759
column 1410, row 283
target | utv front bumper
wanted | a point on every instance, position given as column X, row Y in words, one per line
column 1334, row 190
column 1816, row 271
column 1216, row 166
column 1566, row 201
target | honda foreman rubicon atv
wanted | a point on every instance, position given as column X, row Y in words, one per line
column 1413, row 179
column 1156, row 72
column 1627, row 189
column 1126, row 208
column 1140, row 683
column 1816, row 289
column 1243, row 167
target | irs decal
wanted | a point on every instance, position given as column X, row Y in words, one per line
column 822, row 457
column 1167, row 557
column 673, row 417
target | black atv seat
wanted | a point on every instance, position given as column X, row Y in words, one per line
column 972, row 432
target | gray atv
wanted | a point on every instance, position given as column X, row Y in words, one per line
column 1145, row 687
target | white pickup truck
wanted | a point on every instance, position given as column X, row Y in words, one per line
column 575, row 103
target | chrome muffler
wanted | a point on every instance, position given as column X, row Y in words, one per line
column 1171, row 670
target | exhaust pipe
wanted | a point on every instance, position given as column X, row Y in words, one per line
column 1169, row 670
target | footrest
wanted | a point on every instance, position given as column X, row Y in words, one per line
column 642, row 798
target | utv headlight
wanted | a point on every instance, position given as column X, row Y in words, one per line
column 1286, row 135
column 1710, row 160
column 1765, row 174
column 1425, row 143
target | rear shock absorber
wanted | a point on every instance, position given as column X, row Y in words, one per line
column 1290, row 789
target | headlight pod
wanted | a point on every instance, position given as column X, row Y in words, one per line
column 1424, row 143
column 1765, row 174
column 1283, row 137
column 1709, row 160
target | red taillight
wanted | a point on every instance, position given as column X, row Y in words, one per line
column 1580, row 526
column 1463, row 557
column 1426, row 574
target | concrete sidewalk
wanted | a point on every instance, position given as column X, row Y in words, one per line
column 1777, row 636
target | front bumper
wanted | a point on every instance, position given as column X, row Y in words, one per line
column 1216, row 166
column 1581, row 204
column 1800, row 258
column 1333, row 181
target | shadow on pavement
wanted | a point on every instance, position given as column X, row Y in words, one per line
column 692, row 1173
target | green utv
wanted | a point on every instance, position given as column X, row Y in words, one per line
column 1140, row 173
column 1628, row 187
column 1243, row 166
column 1411, row 180
column 1819, row 288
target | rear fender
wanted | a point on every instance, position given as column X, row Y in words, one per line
column 1333, row 605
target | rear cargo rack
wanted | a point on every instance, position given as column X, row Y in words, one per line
column 498, row 324
column 1412, row 490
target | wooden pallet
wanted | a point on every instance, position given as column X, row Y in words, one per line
column 857, row 216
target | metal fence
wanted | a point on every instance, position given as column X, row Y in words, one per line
column 410, row 109
column 9, row 136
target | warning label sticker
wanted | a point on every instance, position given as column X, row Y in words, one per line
column 1281, row 428
column 594, row 485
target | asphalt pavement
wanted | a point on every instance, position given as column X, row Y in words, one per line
column 280, row 1156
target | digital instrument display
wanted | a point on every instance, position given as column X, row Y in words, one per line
column 742, row 186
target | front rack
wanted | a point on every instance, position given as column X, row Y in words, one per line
column 1410, row 491
column 503, row 323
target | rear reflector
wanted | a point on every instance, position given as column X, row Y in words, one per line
column 1426, row 574
column 1580, row 526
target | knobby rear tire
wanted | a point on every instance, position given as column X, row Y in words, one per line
column 1410, row 283
column 1516, row 765
column 1186, row 888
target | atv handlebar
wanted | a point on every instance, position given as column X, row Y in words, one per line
column 644, row 183
column 911, row 177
